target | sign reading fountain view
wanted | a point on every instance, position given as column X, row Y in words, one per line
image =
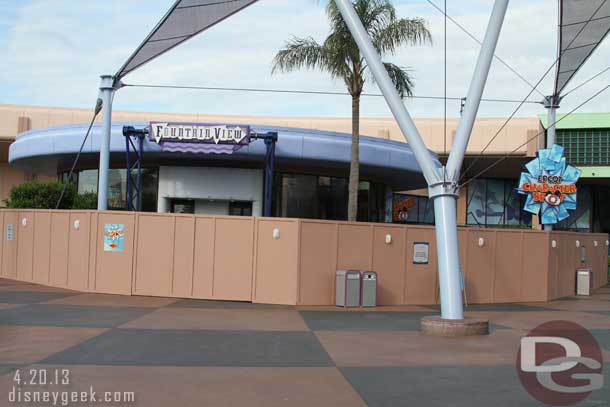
column 550, row 186
column 200, row 137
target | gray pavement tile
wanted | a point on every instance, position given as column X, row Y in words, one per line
column 70, row 315
column 8, row 369
column 497, row 386
column 363, row 321
column 603, row 338
column 197, row 348
column 189, row 303
column 27, row 297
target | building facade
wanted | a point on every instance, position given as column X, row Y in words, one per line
column 311, row 171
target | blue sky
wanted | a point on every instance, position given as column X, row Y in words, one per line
column 54, row 51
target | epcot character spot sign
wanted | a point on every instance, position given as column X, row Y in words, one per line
column 550, row 186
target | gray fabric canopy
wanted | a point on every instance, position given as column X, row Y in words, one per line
column 184, row 20
column 583, row 24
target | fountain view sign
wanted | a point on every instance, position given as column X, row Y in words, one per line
column 200, row 138
column 550, row 186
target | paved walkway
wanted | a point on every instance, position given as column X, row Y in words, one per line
column 204, row 353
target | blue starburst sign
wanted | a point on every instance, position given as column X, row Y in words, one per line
column 550, row 186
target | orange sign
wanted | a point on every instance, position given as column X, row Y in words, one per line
column 553, row 194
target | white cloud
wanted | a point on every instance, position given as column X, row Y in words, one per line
column 55, row 50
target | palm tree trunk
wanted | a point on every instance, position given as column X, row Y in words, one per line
column 354, row 169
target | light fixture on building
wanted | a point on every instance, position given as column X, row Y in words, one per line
column 578, row 243
column 24, row 222
column 388, row 239
column 77, row 224
column 554, row 244
column 276, row 234
column 481, row 242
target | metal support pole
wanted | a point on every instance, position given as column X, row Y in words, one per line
column 270, row 141
column 442, row 184
column 551, row 103
column 107, row 90
column 475, row 91
column 139, row 179
column 128, row 172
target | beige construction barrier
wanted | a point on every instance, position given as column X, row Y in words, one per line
column 284, row 261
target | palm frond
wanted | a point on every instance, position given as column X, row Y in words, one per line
column 405, row 31
column 401, row 79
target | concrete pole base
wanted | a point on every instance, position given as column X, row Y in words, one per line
column 437, row 326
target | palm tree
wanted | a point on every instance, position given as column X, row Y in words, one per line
column 339, row 55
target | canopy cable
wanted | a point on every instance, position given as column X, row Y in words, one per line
column 534, row 137
column 482, row 152
column 98, row 109
column 587, row 81
column 306, row 92
column 468, row 33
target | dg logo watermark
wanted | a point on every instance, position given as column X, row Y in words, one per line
column 560, row 363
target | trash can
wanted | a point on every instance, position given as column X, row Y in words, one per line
column 584, row 280
column 369, row 289
column 347, row 288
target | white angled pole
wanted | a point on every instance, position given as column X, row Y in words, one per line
column 475, row 91
column 551, row 103
column 442, row 182
column 107, row 90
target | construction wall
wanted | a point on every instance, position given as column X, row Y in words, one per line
column 283, row 261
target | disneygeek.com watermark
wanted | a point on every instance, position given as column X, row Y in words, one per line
column 54, row 388
column 560, row 363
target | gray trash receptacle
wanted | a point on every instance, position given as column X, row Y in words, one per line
column 369, row 289
column 347, row 288
column 584, row 280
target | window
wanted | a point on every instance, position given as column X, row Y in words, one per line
column 496, row 202
column 412, row 209
column 323, row 197
column 87, row 181
column 580, row 218
column 585, row 146
column 240, row 208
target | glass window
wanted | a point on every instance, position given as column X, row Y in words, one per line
column 412, row 209
column 240, row 208
column 87, row 181
column 150, row 189
column 477, row 191
column 512, row 208
column 332, row 196
column 117, row 189
column 495, row 202
column 323, row 197
column 580, row 218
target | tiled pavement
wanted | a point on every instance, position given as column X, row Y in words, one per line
column 207, row 353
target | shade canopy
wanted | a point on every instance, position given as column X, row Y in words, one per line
column 184, row 20
column 583, row 24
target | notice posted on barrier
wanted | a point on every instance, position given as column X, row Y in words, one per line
column 421, row 252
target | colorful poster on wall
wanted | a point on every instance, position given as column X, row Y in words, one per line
column 114, row 237
column 550, row 186
column 404, row 208
column 200, row 138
